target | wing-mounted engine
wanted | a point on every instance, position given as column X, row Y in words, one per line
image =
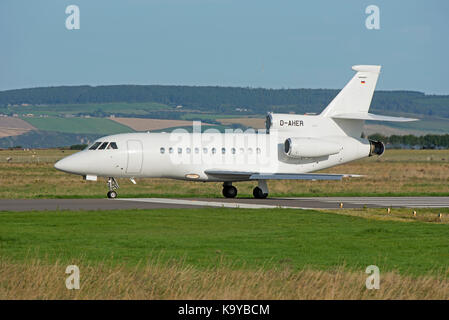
column 310, row 147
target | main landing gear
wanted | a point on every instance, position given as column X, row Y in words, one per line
column 229, row 191
column 112, row 185
column 259, row 192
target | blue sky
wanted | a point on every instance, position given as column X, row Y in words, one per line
column 271, row 44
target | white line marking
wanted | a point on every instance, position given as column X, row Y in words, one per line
column 208, row 203
column 405, row 202
column 408, row 202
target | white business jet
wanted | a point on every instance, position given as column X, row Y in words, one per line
column 291, row 147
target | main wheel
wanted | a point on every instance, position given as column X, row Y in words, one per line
column 112, row 194
column 230, row 192
column 258, row 193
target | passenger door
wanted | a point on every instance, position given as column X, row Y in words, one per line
column 135, row 156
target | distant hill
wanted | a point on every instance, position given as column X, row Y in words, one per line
column 224, row 99
column 46, row 139
column 58, row 116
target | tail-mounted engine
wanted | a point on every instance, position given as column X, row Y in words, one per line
column 376, row 148
column 310, row 147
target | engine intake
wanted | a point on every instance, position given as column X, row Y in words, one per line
column 376, row 148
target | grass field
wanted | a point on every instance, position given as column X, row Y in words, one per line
column 246, row 238
column 255, row 123
column 145, row 124
column 398, row 172
column 220, row 253
column 429, row 125
column 79, row 125
column 226, row 253
column 138, row 108
column 38, row 280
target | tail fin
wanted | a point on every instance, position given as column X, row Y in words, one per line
column 349, row 109
column 356, row 96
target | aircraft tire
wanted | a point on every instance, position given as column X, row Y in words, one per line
column 230, row 192
column 258, row 193
column 112, row 194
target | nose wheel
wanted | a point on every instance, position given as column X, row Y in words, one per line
column 112, row 185
column 112, row 194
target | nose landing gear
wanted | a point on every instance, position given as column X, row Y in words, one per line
column 112, row 185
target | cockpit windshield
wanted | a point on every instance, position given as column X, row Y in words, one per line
column 95, row 146
column 103, row 146
column 99, row 145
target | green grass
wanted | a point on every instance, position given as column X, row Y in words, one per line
column 138, row 108
column 428, row 125
column 219, row 128
column 78, row 125
column 247, row 238
column 210, row 116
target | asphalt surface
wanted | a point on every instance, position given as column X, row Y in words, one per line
column 157, row 203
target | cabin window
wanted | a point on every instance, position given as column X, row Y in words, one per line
column 258, row 150
column 95, row 146
column 242, row 150
column 214, row 151
column 170, row 150
column 233, row 150
column 179, row 150
column 162, row 150
column 204, row 150
column 188, row 150
column 223, row 150
column 197, row 150
column 250, row 150
column 103, row 146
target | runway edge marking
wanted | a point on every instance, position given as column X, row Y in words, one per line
column 208, row 203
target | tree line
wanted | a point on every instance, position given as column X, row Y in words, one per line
column 225, row 99
column 428, row 141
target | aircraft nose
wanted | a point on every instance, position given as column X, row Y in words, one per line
column 79, row 163
column 62, row 165
column 74, row 163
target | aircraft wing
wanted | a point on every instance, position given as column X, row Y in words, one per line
column 238, row 175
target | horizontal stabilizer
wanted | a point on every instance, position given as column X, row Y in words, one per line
column 239, row 175
column 370, row 116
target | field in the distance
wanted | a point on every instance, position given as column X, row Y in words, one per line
column 145, row 124
column 78, row 125
column 220, row 253
column 10, row 126
column 28, row 174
